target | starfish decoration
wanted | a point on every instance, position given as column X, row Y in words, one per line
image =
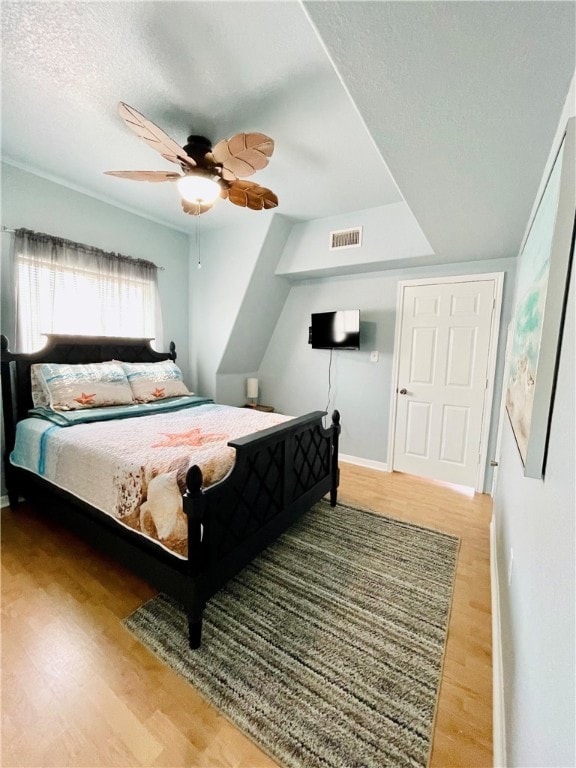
column 85, row 399
column 159, row 392
column 193, row 437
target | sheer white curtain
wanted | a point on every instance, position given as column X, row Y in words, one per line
column 66, row 287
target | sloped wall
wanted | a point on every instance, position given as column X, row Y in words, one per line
column 235, row 301
column 391, row 238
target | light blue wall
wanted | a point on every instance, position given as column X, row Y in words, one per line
column 35, row 203
column 391, row 238
column 294, row 377
column 236, row 298
column 536, row 545
column 535, row 520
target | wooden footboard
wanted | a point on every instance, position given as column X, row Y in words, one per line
column 279, row 473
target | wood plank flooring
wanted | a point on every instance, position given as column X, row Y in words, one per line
column 78, row 691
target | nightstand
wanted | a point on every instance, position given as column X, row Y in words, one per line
column 265, row 408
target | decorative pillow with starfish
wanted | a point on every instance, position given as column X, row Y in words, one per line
column 71, row 387
column 155, row 381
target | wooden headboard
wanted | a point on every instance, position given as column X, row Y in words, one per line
column 15, row 367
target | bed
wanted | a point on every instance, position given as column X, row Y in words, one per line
column 221, row 501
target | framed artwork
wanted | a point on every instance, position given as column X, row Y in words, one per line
column 543, row 275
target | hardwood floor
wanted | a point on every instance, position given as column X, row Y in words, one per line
column 78, row 690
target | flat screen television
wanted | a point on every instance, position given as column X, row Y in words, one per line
column 336, row 330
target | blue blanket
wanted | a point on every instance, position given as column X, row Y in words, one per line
column 105, row 413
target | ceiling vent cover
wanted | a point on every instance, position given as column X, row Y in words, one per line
column 346, row 238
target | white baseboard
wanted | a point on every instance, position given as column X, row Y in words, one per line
column 498, row 719
column 4, row 501
column 369, row 463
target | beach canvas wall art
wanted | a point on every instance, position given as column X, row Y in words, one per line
column 543, row 269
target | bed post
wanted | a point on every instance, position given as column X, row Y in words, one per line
column 335, row 471
column 194, row 505
column 10, row 417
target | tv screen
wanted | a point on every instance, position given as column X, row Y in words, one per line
column 336, row 330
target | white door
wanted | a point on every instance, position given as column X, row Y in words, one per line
column 443, row 376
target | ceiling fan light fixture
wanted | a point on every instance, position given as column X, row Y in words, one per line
column 199, row 189
column 209, row 172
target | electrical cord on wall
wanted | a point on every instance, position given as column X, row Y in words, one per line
column 329, row 384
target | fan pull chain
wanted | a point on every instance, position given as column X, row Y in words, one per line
column 198, row 233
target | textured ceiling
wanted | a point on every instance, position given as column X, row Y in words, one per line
column 459, row 100
column 463, row 100
column 214, row 68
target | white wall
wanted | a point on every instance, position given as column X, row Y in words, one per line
column 535, row 543
column 294, row 377
column 43, row 206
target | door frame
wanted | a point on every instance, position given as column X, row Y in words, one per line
column 498, row 279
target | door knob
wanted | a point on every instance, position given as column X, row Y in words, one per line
column 403, row 391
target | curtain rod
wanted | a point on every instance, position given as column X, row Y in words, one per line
column 7, row 229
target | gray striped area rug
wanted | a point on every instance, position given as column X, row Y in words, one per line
column 327, row 649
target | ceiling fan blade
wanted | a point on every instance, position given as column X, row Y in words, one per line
column 227, row 175
column 145, row 175
column 247, row 194
column 194, row 209
column 154, row 136
column 244, row 153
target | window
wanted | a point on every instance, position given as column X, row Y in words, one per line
column 65, row 287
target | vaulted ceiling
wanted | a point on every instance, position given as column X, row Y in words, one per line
column 450, row 106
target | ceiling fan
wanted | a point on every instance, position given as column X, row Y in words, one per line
column 207, row 171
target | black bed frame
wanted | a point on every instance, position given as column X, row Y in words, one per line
column 279, row 474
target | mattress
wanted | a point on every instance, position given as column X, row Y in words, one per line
column 134, row 468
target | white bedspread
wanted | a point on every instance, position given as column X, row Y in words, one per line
column 134, row 469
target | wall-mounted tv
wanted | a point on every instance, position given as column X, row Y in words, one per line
column 336, row 330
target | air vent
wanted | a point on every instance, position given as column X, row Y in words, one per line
column 346, row 238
